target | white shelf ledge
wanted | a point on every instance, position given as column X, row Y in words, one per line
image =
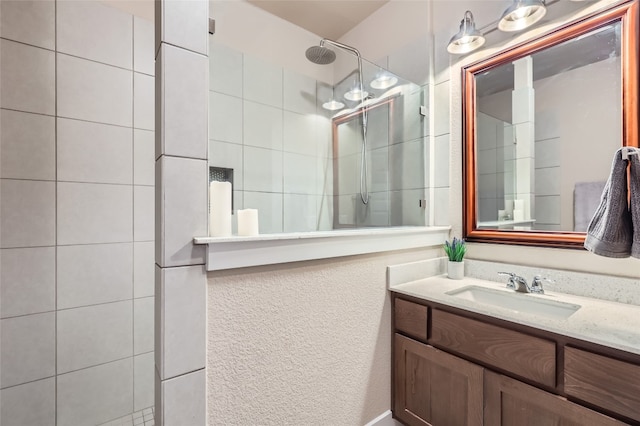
column 269, row 249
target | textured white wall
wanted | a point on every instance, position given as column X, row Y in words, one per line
column 305, row 343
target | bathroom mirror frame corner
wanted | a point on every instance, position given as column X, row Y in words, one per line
column 626, row 16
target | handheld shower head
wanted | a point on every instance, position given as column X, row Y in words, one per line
column 320, row 55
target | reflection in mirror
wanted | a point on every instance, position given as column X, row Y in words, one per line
column 547, row 120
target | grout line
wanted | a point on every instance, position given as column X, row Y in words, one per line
column 133, row 214
column 71, row 55
column 30, row 381
column 55, row 267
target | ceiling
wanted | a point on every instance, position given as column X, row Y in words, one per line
column 327, row 18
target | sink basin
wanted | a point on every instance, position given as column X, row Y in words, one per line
column 517, row 302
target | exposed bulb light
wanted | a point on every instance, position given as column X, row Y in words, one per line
column 522, row 14
column 356, row 94
column 384, row 81
column 468, row 38
column 333, row 105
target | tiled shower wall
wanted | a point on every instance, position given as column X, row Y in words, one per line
column 77, row 213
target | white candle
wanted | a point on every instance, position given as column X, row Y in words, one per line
column 518, row 205
column 518, row 215
column 248, row 222
column 220, row 209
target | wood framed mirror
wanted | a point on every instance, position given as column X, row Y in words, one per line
column 541, row 123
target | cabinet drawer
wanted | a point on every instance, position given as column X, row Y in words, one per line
column 603, row 381
column 411, row 318
column 518, row 353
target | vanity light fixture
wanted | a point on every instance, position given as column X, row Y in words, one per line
column 522, row 14
column 356, row 93
column 384, row 81
column 333, row 105
column 468, row 38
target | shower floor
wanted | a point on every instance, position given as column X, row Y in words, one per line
column 139, row 418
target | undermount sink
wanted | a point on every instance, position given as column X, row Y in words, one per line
column 517, row 302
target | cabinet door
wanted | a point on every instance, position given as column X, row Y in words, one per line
column 435, row 388
column 509, row 402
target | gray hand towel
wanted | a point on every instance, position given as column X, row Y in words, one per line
column 634, row 188
column 610, row 231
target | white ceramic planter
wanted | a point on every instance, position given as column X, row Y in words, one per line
column 455, row 270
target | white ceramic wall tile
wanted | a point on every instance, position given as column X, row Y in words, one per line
column 349, row 174
column 30, row 22
column 299, row 93
column 345, row 209
column 378, row 127
column 228, row 155
column 27, row 213
column 143, row 378
column 376, row 212
column 182, row 300
column 29, row 404
column 183, row 214
column 269, row 207
column 405, row 208
column 27, row 78
column 143, row 46
column 378, row 170
column 27, row 281
column 547, row 153
column 349, row 138
column 94, row 335
column 300, row 213
column 547, row 181
column 143, row 101
column 143, row 264
column 324, row 176
column 325, row 211
column 441, row 108
column 547, row 124
column 224, row 66
column 95, row 395
column 262, row 170
column 183, row 90
column 143, row 325
column 143, row 213
column 28, row 348
column 93, row 274
column 96, row 31
column 299, row 133
column 441, row 207
column 406, row 164
column 487, row 186
column 299, row 174
column 262, row 126
column 143, row 157
column 488, row 209
column 442, row 161
column 93, row 152
column 28, row 145
column 262, row 82
column 184, row 23
column 92, row 91
column 487, row 132
column 225, row 118
column 410, row 124
column 487, row 161
column 94, row 213
column 184, row 400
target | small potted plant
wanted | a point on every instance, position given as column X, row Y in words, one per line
column 455, row 250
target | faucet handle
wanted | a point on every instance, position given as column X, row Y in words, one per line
column 536, row 285
column 512, row 279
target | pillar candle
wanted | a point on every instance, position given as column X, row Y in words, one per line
column 518, row 205
column 220, row 209
column 248, row 222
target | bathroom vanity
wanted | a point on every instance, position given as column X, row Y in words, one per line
column 471, row 352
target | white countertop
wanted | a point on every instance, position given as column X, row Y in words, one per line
column 611, row 324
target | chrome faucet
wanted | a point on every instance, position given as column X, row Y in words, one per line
column 516, row 282
column 519, row 284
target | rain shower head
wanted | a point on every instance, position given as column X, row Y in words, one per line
column 320, row 55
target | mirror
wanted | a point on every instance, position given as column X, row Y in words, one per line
column 542, row 122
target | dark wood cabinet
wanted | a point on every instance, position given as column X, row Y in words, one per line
column 509, row 402
column 435, row 388
column 467, row 371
